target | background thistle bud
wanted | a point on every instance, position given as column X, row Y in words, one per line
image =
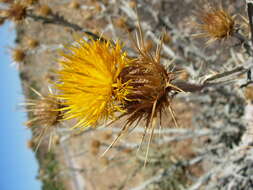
column 18, row 55
column 44, row 10
column 45, row 116
column 16, row 12
column 74, row 5
column 32, row 43
column 215, row 24
column 45, row 111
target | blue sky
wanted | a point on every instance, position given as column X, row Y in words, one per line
column 18, row 167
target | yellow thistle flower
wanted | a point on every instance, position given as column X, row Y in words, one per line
column 89, row 82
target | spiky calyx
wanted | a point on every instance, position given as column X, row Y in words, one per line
column 150, row 95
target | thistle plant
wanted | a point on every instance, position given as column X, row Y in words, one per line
column 135, row 89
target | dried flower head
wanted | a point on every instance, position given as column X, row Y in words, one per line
column 151, row 87
column 44, row 10
column 152, row 90
column 45, row 116
column 74, row 5
column 215, row 24
column 15, row 12
column 32, row 43
column 18, row 55
column 89, row 82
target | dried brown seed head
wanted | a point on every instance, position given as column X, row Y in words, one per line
column 32, row 43
column 74, row 5
column 44, row 10
column 215, row 24
column 16, row 12
column 45, row 115
column 45, row 112
column 18, row 55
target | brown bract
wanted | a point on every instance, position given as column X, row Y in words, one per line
column 214, row 24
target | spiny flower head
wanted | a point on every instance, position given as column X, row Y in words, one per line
column 152, row 90
column 15, row 12
column 18, row 55
column 151, row 87
column 45, row 115
column 31, row 42
column 45, row 112
column 44, row 10
column 215, row 24
column 89, row 82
